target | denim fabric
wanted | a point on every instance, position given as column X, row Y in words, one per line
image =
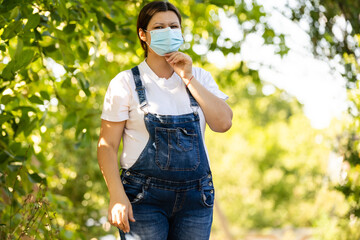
column 139, row 87
column 170, row 185
column 169, row 210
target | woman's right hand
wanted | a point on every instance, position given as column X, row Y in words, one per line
column 120, row 212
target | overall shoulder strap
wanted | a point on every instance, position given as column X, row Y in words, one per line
column 140, row 89
column 193, row 102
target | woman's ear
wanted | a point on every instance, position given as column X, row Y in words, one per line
column 142, row 34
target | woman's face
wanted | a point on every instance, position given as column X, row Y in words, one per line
column 159, row 21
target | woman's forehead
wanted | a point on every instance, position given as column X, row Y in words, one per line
column 168, row 17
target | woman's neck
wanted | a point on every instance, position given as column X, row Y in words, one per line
column 159, row 65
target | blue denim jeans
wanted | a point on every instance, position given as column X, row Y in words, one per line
column 169, row 212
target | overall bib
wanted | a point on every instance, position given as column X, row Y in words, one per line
column 170, row 185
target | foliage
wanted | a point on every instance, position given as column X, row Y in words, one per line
column 271, row 168
column 334, row 29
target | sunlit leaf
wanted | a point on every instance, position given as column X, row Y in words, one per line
column 33, row 21
column 11, row 30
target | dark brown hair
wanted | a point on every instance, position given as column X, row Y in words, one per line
column 148, row 11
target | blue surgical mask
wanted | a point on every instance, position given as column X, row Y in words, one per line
column 165, row 40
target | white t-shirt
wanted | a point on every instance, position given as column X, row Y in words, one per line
column 164, row 96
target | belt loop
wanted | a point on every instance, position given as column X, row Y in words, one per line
column 147, row 183
column 200, row 188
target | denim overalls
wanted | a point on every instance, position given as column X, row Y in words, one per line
column 170, row 185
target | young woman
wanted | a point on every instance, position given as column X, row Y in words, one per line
column 160, row 108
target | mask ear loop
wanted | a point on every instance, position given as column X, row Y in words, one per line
column 146, row 41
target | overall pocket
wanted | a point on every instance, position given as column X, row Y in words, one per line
column 177, row 149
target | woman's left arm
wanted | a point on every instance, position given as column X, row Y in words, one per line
column 218, row 114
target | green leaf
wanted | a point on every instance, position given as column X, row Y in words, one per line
column 5, row 118
column 14, row 168
column 33, row 75
column 25, row 109
column 26, row 184
column 30, row 127
column 37, row 35
column 15, row 147
column 6, row 99
column 2, row 47
column 51, row 48
column 85, row 87
column 47, row 33
column 42, row 120
column 29, row 38
column 7, row 5
column 3, row 21
column 11, row 30
column 35, row 99
column 70, row 120
column 19, row 48
column 9, row 72
column 35, row 178
column 33, row 21
column 85, row 140
column 45, row 95
column 84, row 83
column 222, row 3
column 55, row 16
column 24, row 122
column 2, row 89
column 62, row 10
column 83, row 50
column 19, row 190
column 23, row 60
column 69, row 28
column 67, row 54
column 66, row 83
column 109, row 24
column 3, row 158
column 20, row 158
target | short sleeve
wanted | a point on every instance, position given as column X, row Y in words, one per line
column 117, row 100
column 210, row 84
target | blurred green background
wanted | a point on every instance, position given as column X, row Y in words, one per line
column 271, row 170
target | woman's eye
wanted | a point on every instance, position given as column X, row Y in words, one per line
column 158, row 27
column 174, row 26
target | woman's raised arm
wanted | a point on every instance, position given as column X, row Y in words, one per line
column 217, row 112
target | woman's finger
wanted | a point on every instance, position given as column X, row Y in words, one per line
column 178, row 59
column 169, row 58
column 125, row 221
column 131, row 214
column 175, row 58
column 167, row 55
